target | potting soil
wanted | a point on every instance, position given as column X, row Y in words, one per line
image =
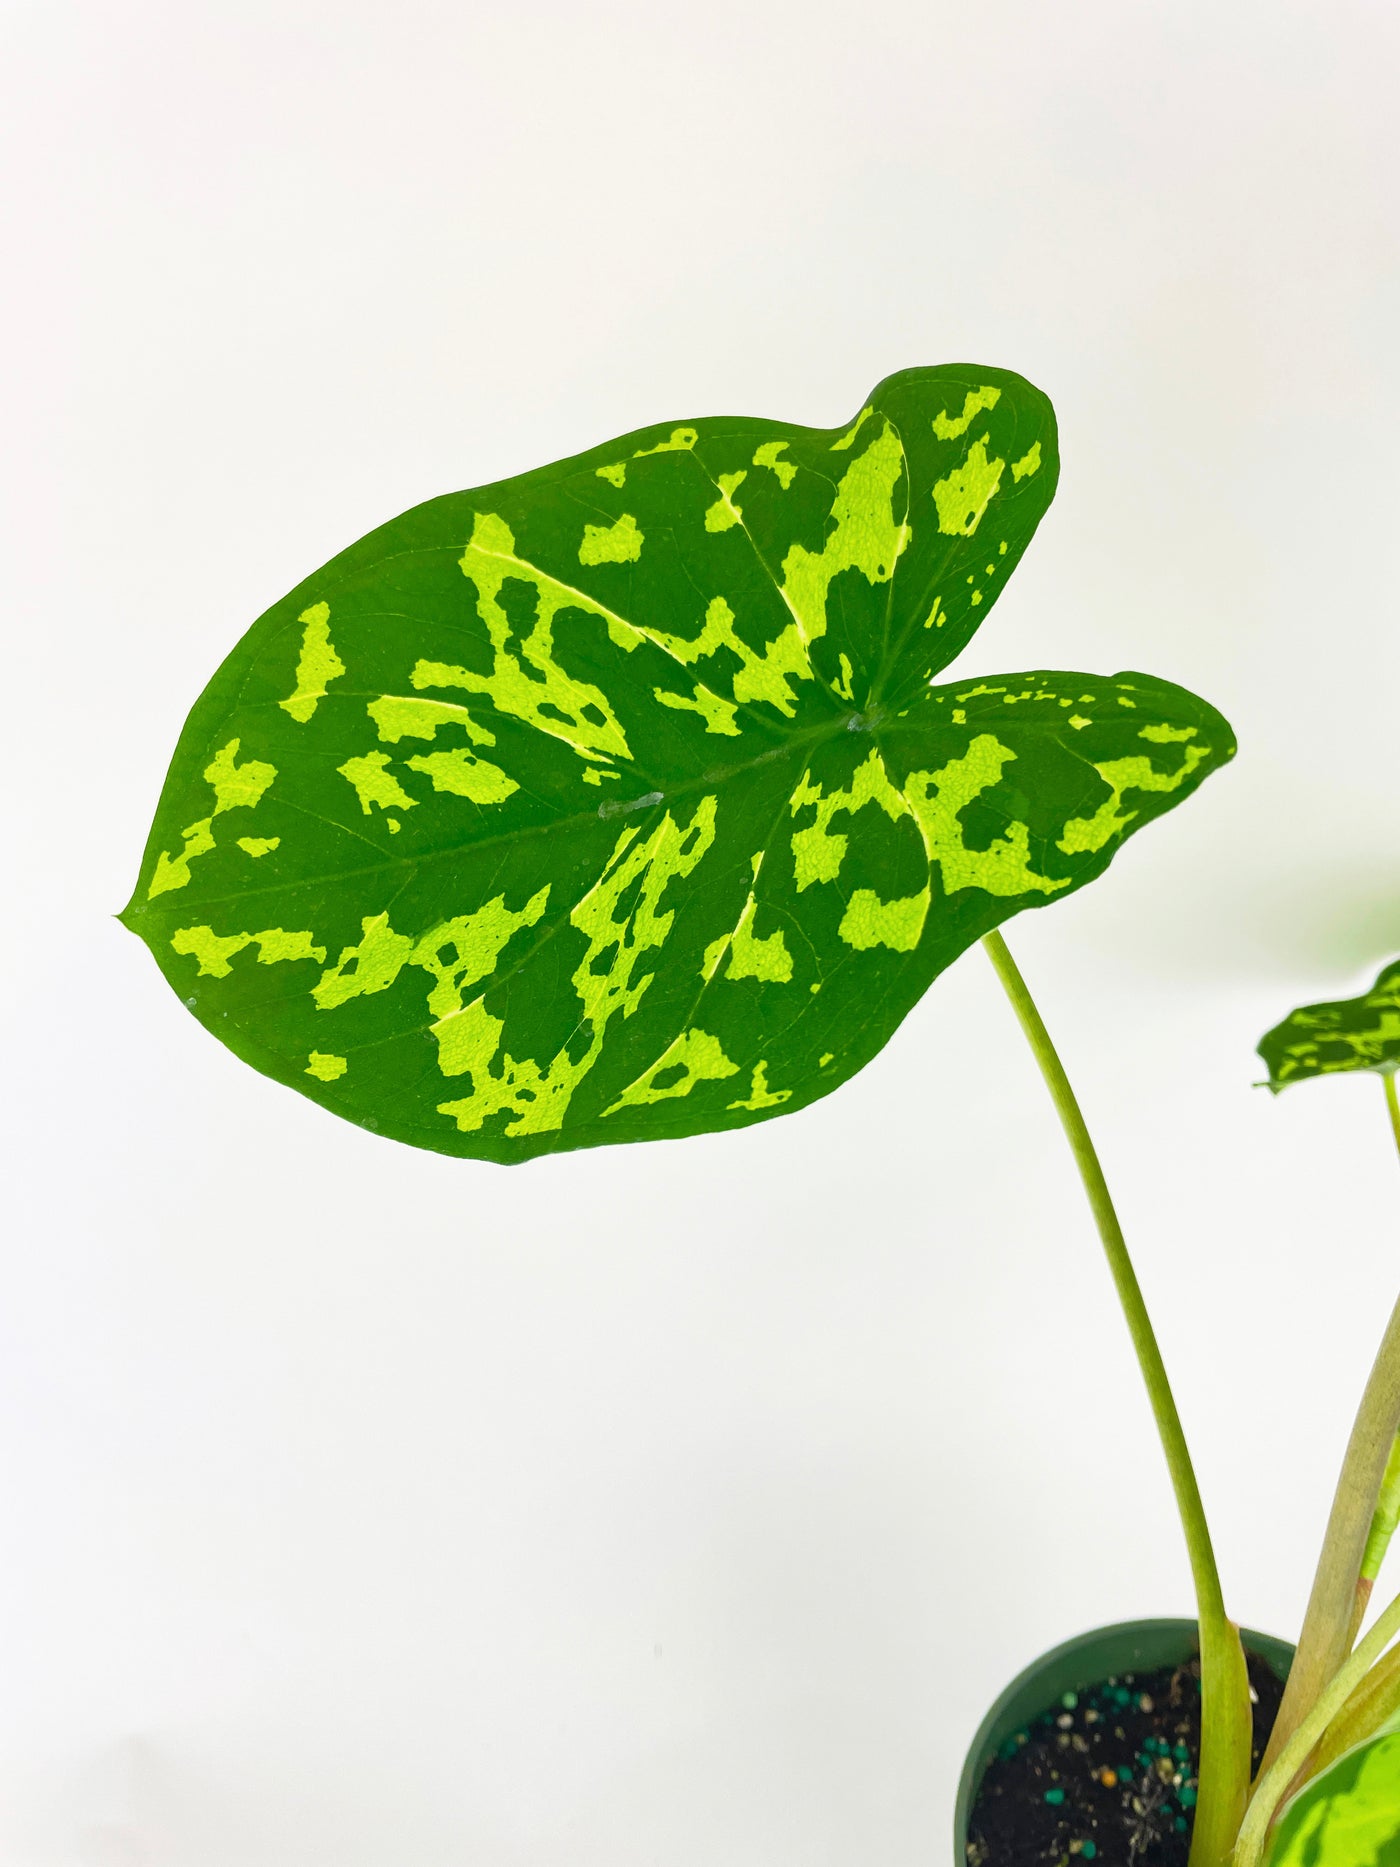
column 1107, row 1776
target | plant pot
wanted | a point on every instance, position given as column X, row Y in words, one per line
column 1131, row 1646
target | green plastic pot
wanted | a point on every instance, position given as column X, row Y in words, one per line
column 1130, row 1647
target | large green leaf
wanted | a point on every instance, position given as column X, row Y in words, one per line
column 1349, row 1816
column 614, row 802
column 1361, row 1033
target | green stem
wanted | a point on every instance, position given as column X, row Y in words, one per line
column 1226, row 1720
column 1360, row 1601
column 1329, row 1626
column 1386, row 1520
column 1376, row 1699
column 1279, row 1780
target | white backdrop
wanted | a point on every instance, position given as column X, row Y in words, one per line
column 678, row 1506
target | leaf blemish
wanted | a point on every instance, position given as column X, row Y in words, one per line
column 619, row 807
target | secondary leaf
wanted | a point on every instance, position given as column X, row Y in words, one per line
column 1349, row 1816
column 614, row 802
column 1361, row 1033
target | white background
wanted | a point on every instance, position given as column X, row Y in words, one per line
column 678, row 1506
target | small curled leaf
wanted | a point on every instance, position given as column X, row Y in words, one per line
column 1361, row 1033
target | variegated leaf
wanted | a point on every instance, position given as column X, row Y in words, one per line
column 1361, row 1033
column 1349, row 1816
column 614, row 802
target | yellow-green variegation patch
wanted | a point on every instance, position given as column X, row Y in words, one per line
column 1347, row 1817
column 1361, row 1033
column 618, row 800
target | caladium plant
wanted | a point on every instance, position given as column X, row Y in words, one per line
column 619, row 800
column 622, row 800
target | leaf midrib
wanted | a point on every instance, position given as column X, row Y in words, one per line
column 812, row 736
